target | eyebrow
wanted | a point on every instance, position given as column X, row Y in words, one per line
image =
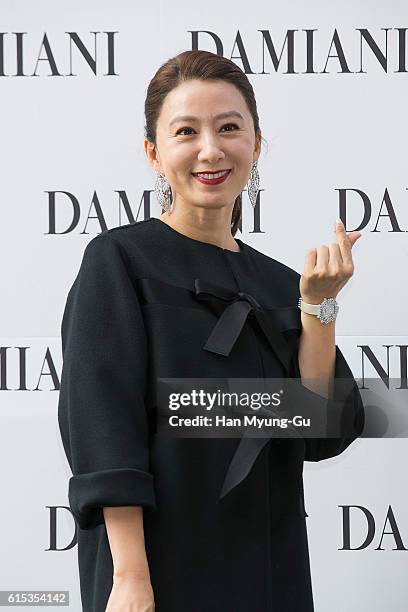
column 220, row 116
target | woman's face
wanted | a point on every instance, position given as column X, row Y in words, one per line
column 204, row 142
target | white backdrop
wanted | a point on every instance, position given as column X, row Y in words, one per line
column 72, row 144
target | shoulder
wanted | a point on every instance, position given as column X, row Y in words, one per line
column 123, row 233
column 122, row 240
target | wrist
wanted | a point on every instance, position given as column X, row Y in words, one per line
column 143, row 576
column 315, row 300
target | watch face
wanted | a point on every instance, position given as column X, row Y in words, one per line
column 328, row 310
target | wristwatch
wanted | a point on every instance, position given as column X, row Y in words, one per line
column 326, row 312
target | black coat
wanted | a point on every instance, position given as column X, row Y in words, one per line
column 224, row 523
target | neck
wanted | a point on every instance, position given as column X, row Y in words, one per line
column 202, row 229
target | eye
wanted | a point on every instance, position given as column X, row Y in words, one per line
column 182, row 130
column 231, row 124
column 226, row 125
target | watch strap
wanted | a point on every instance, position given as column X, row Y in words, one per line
column 312, row 309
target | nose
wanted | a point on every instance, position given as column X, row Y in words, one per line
column 210, row 149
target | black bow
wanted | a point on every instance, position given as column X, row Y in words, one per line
column 240, row 305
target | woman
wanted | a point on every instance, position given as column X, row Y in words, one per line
column 194, row 524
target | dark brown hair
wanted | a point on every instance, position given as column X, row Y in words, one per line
column 202, row 65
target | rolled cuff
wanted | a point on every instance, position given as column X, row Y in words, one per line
column 345, row 413
column 89, row 493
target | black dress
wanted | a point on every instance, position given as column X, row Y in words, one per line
column 224, row 520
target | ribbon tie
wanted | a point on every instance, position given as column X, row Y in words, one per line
column 239, row 305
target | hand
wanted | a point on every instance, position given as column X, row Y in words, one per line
column 327, row 269
column 132, row 593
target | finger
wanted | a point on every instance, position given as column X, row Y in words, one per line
column 322, row 259
column 352, row 236
column 310, row 261
column 343, row 242
column 335, row 257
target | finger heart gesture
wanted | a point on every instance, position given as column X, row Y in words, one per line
column 328, row 268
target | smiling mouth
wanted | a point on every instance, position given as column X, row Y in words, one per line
column 211, row 173
column 216, row 178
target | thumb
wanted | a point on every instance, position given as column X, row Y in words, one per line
column 353, row 237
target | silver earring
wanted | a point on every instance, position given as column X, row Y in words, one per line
column 253, row 184
column 162, row 190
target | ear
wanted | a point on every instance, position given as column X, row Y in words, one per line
column 151, row 154
column 258, row 144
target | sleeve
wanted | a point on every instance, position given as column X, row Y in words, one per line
column 102, row 415
column 344, row 411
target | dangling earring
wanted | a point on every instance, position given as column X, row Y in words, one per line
column 162, row 191
column 253, row 184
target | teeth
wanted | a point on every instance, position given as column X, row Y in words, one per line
column 212, row 176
